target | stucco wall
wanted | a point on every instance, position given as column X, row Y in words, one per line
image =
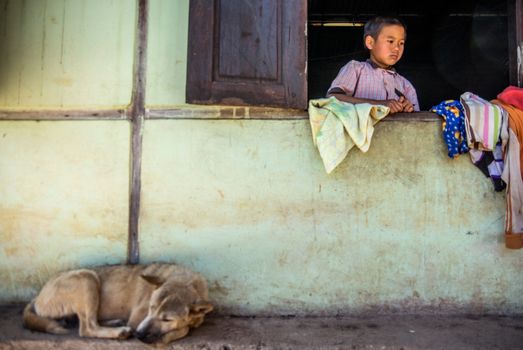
column 167, row 52
column 245, row 202
column 249, row 205
column 63, row 200
column 79, row 53
column 66, row 54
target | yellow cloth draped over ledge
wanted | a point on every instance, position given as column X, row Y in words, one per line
column 338, row 126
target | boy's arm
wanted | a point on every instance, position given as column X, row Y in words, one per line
column 395, row 106
column 342, row 96
column 412, row 96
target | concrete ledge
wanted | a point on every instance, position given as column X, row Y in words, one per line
column 370, row 332
column 220, row 112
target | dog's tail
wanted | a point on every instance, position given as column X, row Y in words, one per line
column 35, row 322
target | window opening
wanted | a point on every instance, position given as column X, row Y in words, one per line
column 452, row 46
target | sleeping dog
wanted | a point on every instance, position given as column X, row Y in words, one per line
column 158, row 303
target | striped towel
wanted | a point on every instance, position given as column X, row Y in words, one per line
column 338, row 126
column 482, row 121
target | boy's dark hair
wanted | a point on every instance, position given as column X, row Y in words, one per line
column 374, row 26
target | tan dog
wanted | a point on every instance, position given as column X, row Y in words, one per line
column 158, row 302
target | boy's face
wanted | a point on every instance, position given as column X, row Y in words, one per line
column 388, row 48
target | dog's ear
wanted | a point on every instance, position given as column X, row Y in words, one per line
column 153, row 279
column 201, row 306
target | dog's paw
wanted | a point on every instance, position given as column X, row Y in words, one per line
column 124, row 332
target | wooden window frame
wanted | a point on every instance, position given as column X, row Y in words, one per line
column 206, row 81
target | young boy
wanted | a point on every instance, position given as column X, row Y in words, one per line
column 375, row 81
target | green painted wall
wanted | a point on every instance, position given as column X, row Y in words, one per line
column 66, row 53
column 249, row 205
column 167, row 52
column 63, row 200
column 245, row 202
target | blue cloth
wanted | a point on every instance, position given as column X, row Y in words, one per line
column 454, row 132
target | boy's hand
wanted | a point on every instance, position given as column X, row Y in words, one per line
column 395, row 106
column 400, row 105
column 407, row 105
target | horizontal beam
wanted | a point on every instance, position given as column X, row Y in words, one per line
column 108, row 114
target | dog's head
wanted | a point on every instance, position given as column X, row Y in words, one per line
column 174, row 307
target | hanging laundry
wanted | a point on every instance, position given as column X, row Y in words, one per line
column 338, row 126
column 491, row 165
column 512, row 175
column 512, row 95
column 455, row 134
column 488, row 126
column 453, row 126
column 482, row 121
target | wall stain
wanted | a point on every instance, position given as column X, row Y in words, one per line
column 216, row 287
column 283, row 258
column 44, row 44
column 62, row 37
column 65, row 82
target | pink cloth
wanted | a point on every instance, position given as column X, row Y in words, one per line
column 512, row 95
column 365, row 80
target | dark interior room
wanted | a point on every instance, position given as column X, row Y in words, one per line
column 452, row 46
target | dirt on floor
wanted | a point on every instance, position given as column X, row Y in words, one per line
column 365, row 332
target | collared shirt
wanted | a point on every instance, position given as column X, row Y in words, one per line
column 366, row 80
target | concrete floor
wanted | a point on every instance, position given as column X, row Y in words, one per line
column 365, row 332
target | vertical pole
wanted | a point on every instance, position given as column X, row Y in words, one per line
column 137, row 114
column 515, row 45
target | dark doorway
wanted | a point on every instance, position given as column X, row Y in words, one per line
column 452, row 46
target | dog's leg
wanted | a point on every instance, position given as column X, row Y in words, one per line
column 113, row 323
column 86, row 307
column 89, row 327
column 137, row 315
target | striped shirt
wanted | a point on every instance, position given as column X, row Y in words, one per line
column 366, row 80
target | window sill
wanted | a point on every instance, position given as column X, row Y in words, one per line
column 423, row 116
column 58, row 114
column 215, row 112
column 204, row 112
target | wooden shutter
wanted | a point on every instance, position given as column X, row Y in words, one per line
column 247, row 52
